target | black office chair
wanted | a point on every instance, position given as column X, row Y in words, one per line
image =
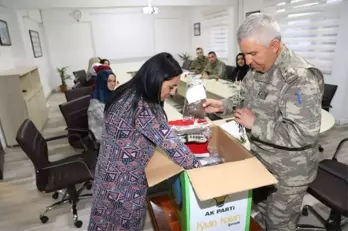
column 329, row 93
column 82, row 79
column 63, row 174
column 186, row 65
column 77, row 93
column 331, row 188
column 77, row 85
column 79, row 74
column 76, row 118
column 229, row 72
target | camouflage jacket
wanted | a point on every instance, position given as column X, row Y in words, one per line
column 218, row 69
column 287, row 103
column 198, row 65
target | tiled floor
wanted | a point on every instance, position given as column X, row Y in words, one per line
column 21, row 203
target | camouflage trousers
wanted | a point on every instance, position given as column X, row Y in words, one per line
column 279, row 206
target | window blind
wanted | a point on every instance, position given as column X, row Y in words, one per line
column 308, row 27
column 215, row 27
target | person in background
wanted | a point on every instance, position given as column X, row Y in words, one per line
column 105, row 84
column 101, row 67
column 93, row 73
column 135, row 123
column 105, row 62
column 215, row 69
column 282, row 115
column 241, row 68
column 92, row 61
column 200, row 62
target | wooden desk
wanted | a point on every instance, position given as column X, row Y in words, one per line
column 163, row 215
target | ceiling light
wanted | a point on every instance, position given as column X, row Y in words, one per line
column 150, row 9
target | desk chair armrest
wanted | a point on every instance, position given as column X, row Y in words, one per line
column 75, row 161
column 339, row 148
column 78, row 130
column 90, row 135
column 56, row 138
column 326, row 107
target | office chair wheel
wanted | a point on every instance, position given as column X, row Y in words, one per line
column 89, row 186
column 55, row 195
column 78, row 224
column 44, row 219
column 305, row 211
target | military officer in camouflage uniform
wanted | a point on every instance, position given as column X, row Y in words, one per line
column 199, row 63
column 215, row 68
column 282, row 114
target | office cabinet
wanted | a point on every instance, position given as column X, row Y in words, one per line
column 21, row 97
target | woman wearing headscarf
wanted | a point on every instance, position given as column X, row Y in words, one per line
column 241, row 68
column 135, row 123
column 105, row 84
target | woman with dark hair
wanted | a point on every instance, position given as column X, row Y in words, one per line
column 241, row 68
column 105, row 84
column 105, row 62
column 135, row 123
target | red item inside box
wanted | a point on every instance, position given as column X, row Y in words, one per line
column 199, row 149
column 185, row 122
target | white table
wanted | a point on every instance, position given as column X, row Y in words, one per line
column 327, row 121
column 216, row 89
column 171, row 112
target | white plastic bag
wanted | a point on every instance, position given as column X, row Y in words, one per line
column 195, row 97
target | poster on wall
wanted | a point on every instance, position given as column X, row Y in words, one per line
column 197, row 29
column 252, row 12
column 5, row 39
column 36, row 43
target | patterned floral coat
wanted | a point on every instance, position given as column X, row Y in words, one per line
column 128, row 142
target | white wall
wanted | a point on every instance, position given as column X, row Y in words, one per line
column 8, row 53
column 72, row 43
column 20, row 52
column 43, row 62
column 76, row 4
column 197, row 15
column 340, row 69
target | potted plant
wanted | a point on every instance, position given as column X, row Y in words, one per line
column 184, row 56
column 63, row 77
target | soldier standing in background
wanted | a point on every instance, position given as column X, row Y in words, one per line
column 215, row 68
column 199, row 63
column 282, row 114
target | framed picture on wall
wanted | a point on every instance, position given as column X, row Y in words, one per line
column 197, row 29
column 252, row 12
column 5, row 39
column 35, row 43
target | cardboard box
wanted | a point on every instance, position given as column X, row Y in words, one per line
column 214, row 197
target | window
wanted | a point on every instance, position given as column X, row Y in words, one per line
column 215, row 29
column 309, row 28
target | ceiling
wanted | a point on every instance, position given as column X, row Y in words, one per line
column 51, row 4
